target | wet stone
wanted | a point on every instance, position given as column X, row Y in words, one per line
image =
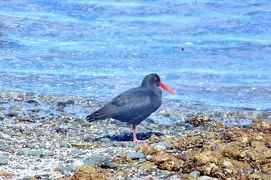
column 3, row 160
column 135, row 155
column 105, row 140
column 61, row 130
column 108, row 164
column 23, row 151
column 64, row 145
column 90, row 161
column 195, row 174
column 11, row 114
column 141, row 160
column 162, row 145
column 32, row 101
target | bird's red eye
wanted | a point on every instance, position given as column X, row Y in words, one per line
column 155, row 78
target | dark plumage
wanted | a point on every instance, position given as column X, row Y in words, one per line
column 134, row 105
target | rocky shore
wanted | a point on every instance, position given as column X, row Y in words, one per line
column 44, row 137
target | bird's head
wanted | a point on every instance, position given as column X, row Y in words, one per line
column 153, row 80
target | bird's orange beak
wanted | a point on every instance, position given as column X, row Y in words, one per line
column 166, row 88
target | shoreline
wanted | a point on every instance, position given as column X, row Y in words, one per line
column 46, row 137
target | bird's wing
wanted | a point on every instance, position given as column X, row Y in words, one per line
column 132, row 105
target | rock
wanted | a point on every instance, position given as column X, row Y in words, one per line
column 135, row 155
column 32, row 101
column 105, row 140
column 141, row 160
column 6, row 175
column 65, row 145
column 262, row 126
column 75, row 164
column 3, row 160
column 35, row 152
column 153, row 138
column 23, row 151
column 108, row 164
column 48, row 153
column 70, row 102
column 166, row 161
column 76, row 152
column 194, row 174
column 90, row 161
column 11, row 114
column 91, row 172
column 207, row 178
column 4, row 146
column 16, row 108
column 162, row 145
column 29, row 145
column 88, row 138
column 61, row 130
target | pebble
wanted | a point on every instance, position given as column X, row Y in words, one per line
column 207, row 178
column 162, row 145
column 64, row 145
column 108, row 164
column 3, row 160
column 11, row 114
column 76, row 152
column 141, row 160
column 135, row 155
column 61, row 130
column 23, row 151
column 35, row 152
column 90, row 161
column 195, row 174
column 29, row 145
column 32, row 101
column 4, row 146
column 88, row 138
column 48, row 153
column 105, row 140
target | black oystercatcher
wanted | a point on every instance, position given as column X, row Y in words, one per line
column 134, row 105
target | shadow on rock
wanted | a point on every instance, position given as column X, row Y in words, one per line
column 128, row 136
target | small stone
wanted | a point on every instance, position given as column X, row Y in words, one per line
column 88, row 138
column 71, row 102
column 61, row 130
column 29, row 145
column 4, row 146
column 76, row 152
column 207, row 178
column 23, row 151
column 16, row 108
column 11, row 114
column 108, row 164
column 35, row 152
column 195, row 174
column 3, row 160
column 162, row 145
column 105, row 140
column 65, row 145
column 32, row 101
column 76, row 164
column 141, row 160
column 90, row 161
column 135, row 155
column 48, row 153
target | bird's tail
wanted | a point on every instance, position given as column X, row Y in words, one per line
column 97, row 115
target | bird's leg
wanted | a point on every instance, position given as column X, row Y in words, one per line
column 134, row 136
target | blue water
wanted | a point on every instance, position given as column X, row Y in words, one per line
column 213, row 53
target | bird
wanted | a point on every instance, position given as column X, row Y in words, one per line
column 134, row 105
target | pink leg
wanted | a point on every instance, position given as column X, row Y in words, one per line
column 134, row 136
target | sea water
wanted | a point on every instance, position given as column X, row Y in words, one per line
column 213, row 53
